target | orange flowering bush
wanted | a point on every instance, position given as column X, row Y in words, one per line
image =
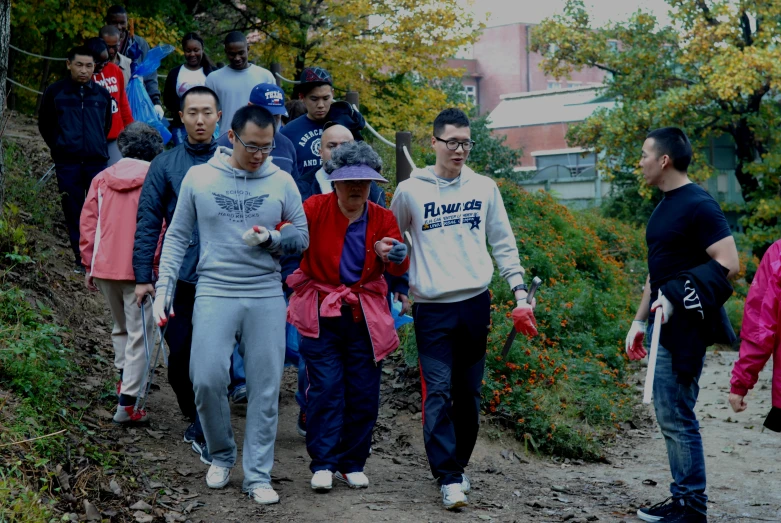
column 565, row 390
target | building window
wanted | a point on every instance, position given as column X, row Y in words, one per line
column 612, row 45
column 574, row 84
column 470, row 93
column 554, row 85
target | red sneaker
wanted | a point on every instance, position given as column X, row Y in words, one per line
column 128, row 415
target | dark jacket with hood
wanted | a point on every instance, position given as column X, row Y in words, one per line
column 75, row 120
column 157, row 204
column 699, row 318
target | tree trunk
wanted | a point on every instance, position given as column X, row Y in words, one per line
column 745, row 150
column 5, row 36
column 11, row 98
column 51, row 38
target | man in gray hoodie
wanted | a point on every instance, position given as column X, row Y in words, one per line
column 451, row 211
column 248, row 212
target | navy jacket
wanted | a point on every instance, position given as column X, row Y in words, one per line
column 283, row 155
column 158, row 202
column 74, row 121
column 308, row 186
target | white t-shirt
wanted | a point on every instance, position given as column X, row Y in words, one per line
column 234, row 87
column 188, row 79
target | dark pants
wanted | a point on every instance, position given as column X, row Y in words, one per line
column 73, row 180
column 451, row 339
column 674, row 405
column 344, row 394
column 179, row 337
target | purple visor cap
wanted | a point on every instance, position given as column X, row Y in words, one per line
column 355, row 172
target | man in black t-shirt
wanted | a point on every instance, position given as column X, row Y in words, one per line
column 686, row 231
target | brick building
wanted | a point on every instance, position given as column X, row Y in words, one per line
column 501, row 63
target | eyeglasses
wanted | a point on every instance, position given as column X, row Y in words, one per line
column 255, row 148
column 452, row 145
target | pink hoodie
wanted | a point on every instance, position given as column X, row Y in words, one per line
column 761, row 331
column 108, row 220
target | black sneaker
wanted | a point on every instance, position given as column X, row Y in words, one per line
column 684, row 514
column 301, row 424
column 193, row 433
column 658, row 511
column 200, row 448
column 239, row 395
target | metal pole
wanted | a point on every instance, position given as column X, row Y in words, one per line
column 276, row 68
column 352, row 98
column 403, row 167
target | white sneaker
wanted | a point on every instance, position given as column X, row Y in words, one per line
column 353, row 479
column 264, row 494
column 466, row 485
column 217, row 477
column 453, row 497
column 323, row 480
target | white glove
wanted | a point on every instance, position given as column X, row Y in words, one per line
column 667, row 308
column 255, row 236
column 159, row 111
column 158, row 309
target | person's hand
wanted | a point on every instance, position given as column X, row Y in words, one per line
column 290, row 239
column 404, row 302
column 397, row 253
column 523, row 318
column 158, row 309
column 383, row 247
column 737, row 402
column 667, row 308
column 159, row 112
column 90, row 284
column 634, row 341
column 142, row 289
column 255, row 236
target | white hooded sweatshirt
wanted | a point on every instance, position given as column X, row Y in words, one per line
column 449, row 221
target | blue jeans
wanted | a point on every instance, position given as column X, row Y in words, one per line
column 674, row 405
column 238, row 376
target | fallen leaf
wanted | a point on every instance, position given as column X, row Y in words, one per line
column 103, row 413
column 485, row 517
column 650, row 482
column 727, row 450
column 91, row 512
column 142, row 517
column 155, row 484
column 141, row 505
column 155, row 434
column 115, row 488
column 375, row 507
column 184, row 471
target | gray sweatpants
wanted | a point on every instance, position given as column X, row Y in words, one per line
column 258, row 325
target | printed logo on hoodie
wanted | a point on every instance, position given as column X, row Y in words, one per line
column 237, row 209
column 450, row 214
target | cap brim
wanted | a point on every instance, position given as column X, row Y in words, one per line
column 356, row 172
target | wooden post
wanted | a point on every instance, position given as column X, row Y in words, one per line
column 276, row 67
column 403, row 168
column 352, row 98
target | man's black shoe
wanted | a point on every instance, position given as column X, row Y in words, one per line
column 200, row 448
column 193, row 433
column 657, row 512
column 679, row 512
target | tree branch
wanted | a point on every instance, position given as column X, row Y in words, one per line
column 706, row 13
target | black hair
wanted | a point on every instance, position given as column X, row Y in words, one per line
column 251, row 113
column 97, row 46
column 141, row 141
column 199, row 89
column 306, row 88
column 115, row 10
column 673, row 142
column 235, row 36
column 82, row 50
column 450, row 116
column 109, row 30
column 295, row 108
column 206, row 62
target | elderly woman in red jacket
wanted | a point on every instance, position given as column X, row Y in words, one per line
column 339, row 306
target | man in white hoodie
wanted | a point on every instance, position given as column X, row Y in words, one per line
column 450, row 211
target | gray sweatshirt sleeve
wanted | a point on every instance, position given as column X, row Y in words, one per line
column 500, row 235
column 177, row 237
column 292, row 212
column 400, row 210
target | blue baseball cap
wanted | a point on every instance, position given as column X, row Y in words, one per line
column 269, row 96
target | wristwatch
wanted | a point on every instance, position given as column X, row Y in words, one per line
column 521, row 287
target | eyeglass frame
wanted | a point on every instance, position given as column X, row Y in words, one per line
column 463, row 145
column 252, row 149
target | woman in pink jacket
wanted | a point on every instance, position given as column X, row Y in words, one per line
column 108, row 228
column 761, row 337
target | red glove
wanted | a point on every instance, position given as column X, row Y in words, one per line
column 523, row 319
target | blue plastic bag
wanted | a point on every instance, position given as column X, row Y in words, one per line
column 399, row 319
column 140, row 104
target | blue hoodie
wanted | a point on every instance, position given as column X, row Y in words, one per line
column 224, row 203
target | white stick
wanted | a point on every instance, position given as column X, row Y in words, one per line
column 649, row 376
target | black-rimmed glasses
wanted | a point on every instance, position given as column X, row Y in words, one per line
column 452, row 145
column 255, row 148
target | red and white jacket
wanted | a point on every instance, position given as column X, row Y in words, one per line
column 113, row 80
